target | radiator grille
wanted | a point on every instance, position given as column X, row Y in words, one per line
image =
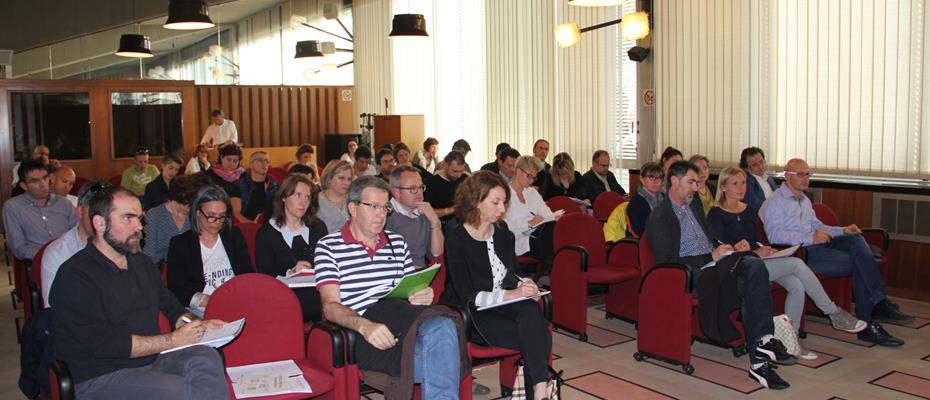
column 905, row 217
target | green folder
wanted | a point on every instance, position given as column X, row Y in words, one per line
column 414, row 282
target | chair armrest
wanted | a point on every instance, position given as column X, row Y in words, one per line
column 624, row 251
column 877, row 236
column 547, row 306
column 35, row 298
column 62, row 375
column 674, row 266
column 573, row 248
column 352, row 337
column 324, row 335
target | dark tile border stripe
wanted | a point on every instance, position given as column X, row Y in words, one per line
column 573, row 336
column 836, row 358
column 872, row 382
column 677, row 369
column 615, row 377
column 854, row 342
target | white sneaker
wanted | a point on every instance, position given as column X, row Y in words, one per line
column 805, row 353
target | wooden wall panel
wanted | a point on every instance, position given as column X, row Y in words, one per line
column 850, row 206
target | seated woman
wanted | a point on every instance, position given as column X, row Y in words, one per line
column 169, row 219
column 285, row 242
column 210, row 253
column 305, row 157
column 480, row 262
column 563, row 180
column 199, row 162
column 706, row 191
column 641, row 204
column 337, row 176
column 736, row 223
column 349, row 155
column 228, row 170
column 528, row 216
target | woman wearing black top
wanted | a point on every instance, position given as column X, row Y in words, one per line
column 210, row 253
column 286, row 241
column 480, row 259
column 562, row 179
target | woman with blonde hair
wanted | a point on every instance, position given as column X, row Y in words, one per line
column 736, row 223
column 563, row 180
column 335, row 183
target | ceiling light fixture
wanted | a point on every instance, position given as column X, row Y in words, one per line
column 635, row 26
column 566, row 35
column 134, row 46
column 308, row 48
column 408, row 25
column 188, row 15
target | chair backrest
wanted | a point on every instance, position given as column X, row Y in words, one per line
column 581, row 230
column 277, row 173
column 605, row 203
column 249, row 232
column 273, row 328
column 646, row 259
column 825, row 214
column 563, row 203
column 78, row 183
column 762, row 236
column 116, row 180
column 35, row 277
column 439, row 282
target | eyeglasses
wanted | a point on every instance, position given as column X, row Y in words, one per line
column 654, row 178
column 800, row 174
column 413, row 189
column 528, row 175
column 212, row 219
column 379, row 207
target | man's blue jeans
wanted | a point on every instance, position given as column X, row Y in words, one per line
column 850, row 255
column 436, row 359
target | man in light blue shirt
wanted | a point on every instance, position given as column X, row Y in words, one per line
column 71, row 242
column 37, row 216
column 831, row 250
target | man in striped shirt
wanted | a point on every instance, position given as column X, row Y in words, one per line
column 356, row 267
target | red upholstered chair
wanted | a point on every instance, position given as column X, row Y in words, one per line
column 116, row 180
column 582, row 258
column 33, row 302
column 563, row 203
column 78, row 183
column 875, row 237
column 249, row 231
column 605, row 203
column 277, row 173
column 273, row 331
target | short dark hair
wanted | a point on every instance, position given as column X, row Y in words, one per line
column 28, row 165
column 400, row 146
column 287, row 188
column 207, row 194
column 300, row 169
column 216, row 113
column 473, row 190
column 509, row 152
column 454, row 156
column 230, row 150
column 141, row 151
column 749, row 152
column 429, row 142
column 669, row 152
column 598, row 154
column 381, row 154
column 680, row 169
column 173, row 158
column 461, row 145
column 304, row 148
column 101, row 202
column 651, row 170
column 500, row 147
column 86, row 193
column 362, row 152
column 539, row 140
column 397, row 172
column 182, row 189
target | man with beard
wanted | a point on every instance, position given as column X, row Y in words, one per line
column 107, row 298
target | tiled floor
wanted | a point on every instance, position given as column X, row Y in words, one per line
column 603, row 368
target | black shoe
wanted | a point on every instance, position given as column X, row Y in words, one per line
column 888, row 312
column 776, row 351
column 767, row 377
column 878, row 335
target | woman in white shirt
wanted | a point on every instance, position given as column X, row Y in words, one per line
column 210, row 253
column 528, row 217
column 199, row 162
column 349, row 155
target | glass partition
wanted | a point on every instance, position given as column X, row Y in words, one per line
column 151, row 120
column 60, row 121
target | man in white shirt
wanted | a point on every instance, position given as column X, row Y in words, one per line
column 70, row 242
column 221, row 132
column 759, row 186
column 62, row 181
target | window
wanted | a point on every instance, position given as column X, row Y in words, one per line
column 60, row 121
column 150, row 120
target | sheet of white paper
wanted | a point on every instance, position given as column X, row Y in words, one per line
column 268, row 379
column 298, row 280
column 284, row 367
column 540, row 294
column 216, row 337
column 784, row 253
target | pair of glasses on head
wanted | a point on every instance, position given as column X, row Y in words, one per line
column 413, row 189
column 799, row 174
column 142, row 152
column 528, row 175
column 213, row 218
column 378, row 207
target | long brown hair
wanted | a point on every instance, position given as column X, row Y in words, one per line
column 287, row 188
column 473, row 191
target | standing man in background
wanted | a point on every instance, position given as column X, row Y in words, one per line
column 221, row 132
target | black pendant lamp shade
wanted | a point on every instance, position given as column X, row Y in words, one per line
column 406, row 25
column 133, row 45
column 188, row 15
column 308, row 48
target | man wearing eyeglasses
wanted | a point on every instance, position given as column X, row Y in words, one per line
column 406, row 341
column 760, row 186
column 413, row 218
column 599, row 179
column 136, row 177
column 789, row 218
column 386, row 163
column 36, row 216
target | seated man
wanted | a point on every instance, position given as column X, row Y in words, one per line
column 253, row 192
column 37, row 216
column 541, row 151
column 140, row 173
column 362, row 164
column 413, row 218
column 678, row 232
column 41, row 153
column 107, row 298
column 156, row 192
column 789, row 218
column 463, row 147
column 506, row 163
column 440, row 187
column 759, row 186
column 221, row 131
column 62, row 181
column 386, row 163
column 599, row 179
column 493, row 165
column 71, row 242
column 356, row 267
